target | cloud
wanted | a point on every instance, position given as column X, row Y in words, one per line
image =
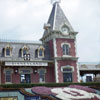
column 26, row 14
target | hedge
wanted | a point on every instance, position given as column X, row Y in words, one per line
column 27, row 85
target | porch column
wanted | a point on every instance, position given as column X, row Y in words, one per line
column 78, row 72
column 56, row 65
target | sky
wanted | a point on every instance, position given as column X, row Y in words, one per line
column 24, row 20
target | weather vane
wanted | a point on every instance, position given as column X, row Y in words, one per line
column 55, row 1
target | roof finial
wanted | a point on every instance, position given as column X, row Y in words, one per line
column 55, row 1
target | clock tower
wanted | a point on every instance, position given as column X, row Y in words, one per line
column 61, row 38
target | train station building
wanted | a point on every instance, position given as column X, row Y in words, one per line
column 53, row 59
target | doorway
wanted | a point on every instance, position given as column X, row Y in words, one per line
column 67, row 77
column 25, row 78
column 88, row 78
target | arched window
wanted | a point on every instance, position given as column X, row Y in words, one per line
column 67, row 73
column 41, row 72
column 24, row 50
column 41, row 52
column 3, row 52
column 65, row 49
column 8, row 51
column 25, row 75
column 8, row 75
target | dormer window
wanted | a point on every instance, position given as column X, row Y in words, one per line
column 8, row 51
column 40, row 52
column 65, row 48
column 24, row 51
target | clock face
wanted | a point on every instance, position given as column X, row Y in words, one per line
column 65, row 30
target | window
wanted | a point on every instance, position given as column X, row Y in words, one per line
column 25, row 75
column 40, row 52
column 65, row 49
column 42, row 75
column 7, row 51
column 67, row 77
column 42, row 78
column 8, row 76
column 88, row 78
column 67, row 73
column 25, row 78
column 3, row 52
column 24, row 51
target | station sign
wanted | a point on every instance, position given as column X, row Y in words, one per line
column 26, row 63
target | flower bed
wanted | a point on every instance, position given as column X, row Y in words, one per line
column 42, row 90
column 73, row 92
column 85, row 88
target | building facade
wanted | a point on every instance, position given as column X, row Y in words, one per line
column 51, row 60
column 89, row 72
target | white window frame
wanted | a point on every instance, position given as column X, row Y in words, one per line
column 20, row 70
column 5, row 53
column 24, row 48
column 68, row 48
column 68, row 66
column 41, row 48
column 8, row 69
column 44, row 74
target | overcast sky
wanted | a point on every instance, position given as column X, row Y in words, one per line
column 24, row 20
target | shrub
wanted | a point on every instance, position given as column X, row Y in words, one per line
column 27, row 85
